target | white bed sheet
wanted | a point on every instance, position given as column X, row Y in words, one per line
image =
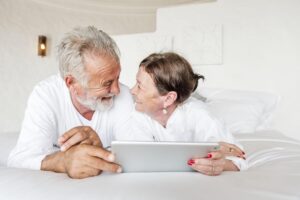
column 274, row 174
column 7, row 141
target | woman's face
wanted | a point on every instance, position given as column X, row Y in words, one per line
column 146, row 96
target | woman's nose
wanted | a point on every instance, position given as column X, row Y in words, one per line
column 132, row 90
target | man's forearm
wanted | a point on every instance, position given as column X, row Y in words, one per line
column 54, row 162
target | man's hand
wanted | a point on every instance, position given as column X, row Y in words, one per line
column 79, row 135
column 82, row 155
column 81, row 161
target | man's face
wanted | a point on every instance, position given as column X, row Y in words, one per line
column 103, row 82
column 146, row 96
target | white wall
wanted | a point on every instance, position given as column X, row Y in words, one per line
column 20, row 24
column 261, row 49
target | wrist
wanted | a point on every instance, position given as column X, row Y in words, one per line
column 230, row 166
column 54, row 162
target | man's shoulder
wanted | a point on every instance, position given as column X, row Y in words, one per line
column 123, row 102
column 51, row 89
column 54, row 81
column 52, row 85
column 124, row 94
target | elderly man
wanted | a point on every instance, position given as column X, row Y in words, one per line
column 86, row 95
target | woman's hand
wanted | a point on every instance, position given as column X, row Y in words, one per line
column 79, row 135
column 212, row 165
column 215, row 163
column 231, row 150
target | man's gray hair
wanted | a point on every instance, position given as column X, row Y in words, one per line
column 79, row 41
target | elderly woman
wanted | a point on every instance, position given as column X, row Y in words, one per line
column 165, row 111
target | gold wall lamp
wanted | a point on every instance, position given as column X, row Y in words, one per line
column 42, row 45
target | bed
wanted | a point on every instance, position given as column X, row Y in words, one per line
column 274, row 161
column 274, row 174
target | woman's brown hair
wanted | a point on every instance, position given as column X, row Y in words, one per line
column 171, row 72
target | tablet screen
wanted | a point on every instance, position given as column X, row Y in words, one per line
column 159, row 156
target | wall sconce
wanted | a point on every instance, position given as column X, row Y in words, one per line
column 42, row 45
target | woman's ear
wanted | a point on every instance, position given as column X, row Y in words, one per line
column 170, row 98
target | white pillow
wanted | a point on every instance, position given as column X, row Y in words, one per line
column 241, row 111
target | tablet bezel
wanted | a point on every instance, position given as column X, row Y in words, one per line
column 140, row 156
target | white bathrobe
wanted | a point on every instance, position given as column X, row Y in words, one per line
column 190, row 122
column 50, row 113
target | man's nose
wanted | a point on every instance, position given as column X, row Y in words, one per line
column 115, row 88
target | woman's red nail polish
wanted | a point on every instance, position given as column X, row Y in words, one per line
column 191, row 162
column 243, row 153
column 209, row 155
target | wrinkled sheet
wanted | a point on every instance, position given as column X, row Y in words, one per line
column 274, row 174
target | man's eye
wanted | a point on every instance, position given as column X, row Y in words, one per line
column 107, row 84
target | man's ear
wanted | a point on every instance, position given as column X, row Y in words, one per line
column 170, row 98
column 69, row 80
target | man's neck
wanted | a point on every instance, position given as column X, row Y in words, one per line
column 163, row 118
column 84, row 111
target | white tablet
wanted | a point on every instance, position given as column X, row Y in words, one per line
column 158, row 156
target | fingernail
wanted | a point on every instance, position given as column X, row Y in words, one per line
column 243, row 153
column 217, row 147
column 119, row 170
column 63, row 148
column 191, row 162
column 209, row 155
column 244, row 158
column 59, row 140
column 111, row 157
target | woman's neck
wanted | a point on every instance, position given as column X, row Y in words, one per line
column 163, row 118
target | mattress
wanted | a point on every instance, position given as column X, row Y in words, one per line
column 274, row 173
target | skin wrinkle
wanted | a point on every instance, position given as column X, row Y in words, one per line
column 146, row 94
column 100, row 69
column 148, row 99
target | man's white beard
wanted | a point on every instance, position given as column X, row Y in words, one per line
column 94, row 104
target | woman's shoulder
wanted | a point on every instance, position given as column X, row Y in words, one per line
column 192, row 104
column 140, row 118
column 193, row 109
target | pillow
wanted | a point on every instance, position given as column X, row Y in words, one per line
column 241, row 111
